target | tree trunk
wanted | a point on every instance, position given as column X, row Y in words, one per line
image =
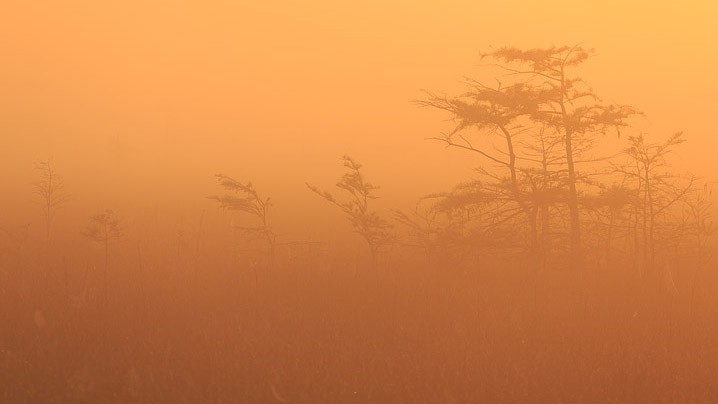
column 572, row 193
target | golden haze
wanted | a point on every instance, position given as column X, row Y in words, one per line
column 166, row 297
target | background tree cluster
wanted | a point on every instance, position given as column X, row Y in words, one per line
column 545, row 190
column 542, row 190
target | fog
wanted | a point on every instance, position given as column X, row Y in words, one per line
column 396, row 218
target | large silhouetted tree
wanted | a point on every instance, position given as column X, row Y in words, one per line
column 543, row 94
column 566, row 104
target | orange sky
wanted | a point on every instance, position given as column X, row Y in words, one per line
column 143, row 100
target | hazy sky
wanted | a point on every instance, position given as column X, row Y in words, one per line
column 146, row 100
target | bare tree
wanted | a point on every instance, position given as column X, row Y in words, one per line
column 423, row 227
column 51, row 189
column 104, row 229
column 657, row 190
column 699, row 228
column 611, row 209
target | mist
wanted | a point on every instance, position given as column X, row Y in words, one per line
column 343, row 202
